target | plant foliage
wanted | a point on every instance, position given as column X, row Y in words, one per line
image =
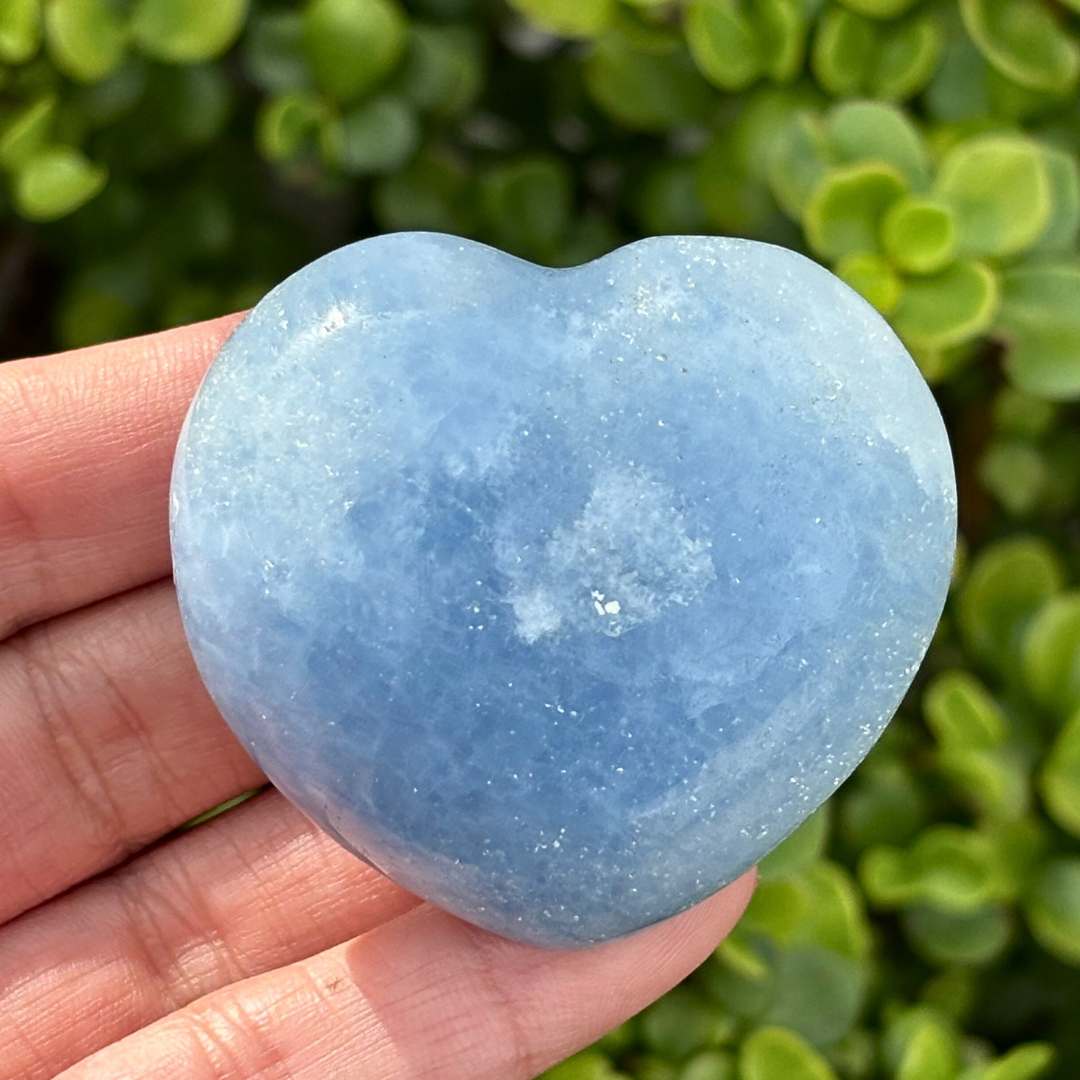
column 163, row 161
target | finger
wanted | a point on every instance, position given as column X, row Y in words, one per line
column 109, row 740
column 253, row 890
column 86, row 446
column 424, row 996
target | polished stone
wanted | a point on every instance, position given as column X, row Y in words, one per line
column 561, row 596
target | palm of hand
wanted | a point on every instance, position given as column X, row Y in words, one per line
column 252, row 946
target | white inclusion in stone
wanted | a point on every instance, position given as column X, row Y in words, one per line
column 630, row 543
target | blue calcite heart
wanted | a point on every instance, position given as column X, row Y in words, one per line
column 561, row 596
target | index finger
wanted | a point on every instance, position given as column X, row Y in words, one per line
column 86, row 445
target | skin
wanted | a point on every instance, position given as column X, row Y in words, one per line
column 252, row 946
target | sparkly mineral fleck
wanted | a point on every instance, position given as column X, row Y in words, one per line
column 561, row 596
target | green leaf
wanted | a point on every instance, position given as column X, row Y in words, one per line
column 669, row 202
column 842, row 56
column 774, row 1053
column 569, row 18
column 1006, row 584
column 920, row 235
column 800, row 850
column 1059, row 782
column 273, row 54
column 836, row 913
column 86, row 39
column 444, row 72
column 879, row 9
column 1023, row 415
column 1052, row 909
column 908, row 55
column 931, row 1054
column 999, row 188
column 709, row 1065
column 873, row 278
column 994, row 782
column 1051, row 654
column 1063, row 227
column 27, row 132
column 1023, row 1062
column 950, row 937
column 947, row 867
column 863, row 131
column 1017, row 474
column 352, row 45
column 1040, row 320
column 801, row 156
column 961, row 713
column 1023, row 40
column 55, row 182
column 819, row 993
column 683, row 1022
column 20, row 30
column 186, row 31
column 378, row 137
column 528, row 203
column 845, row 210
column 428, row 194
column 724, row 43
column 285, row 124
column 649, row 84
column 781, row 38
column 949, row 307
column 586, row 1065
column 884, row 805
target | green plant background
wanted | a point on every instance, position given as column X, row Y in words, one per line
column 163, row 161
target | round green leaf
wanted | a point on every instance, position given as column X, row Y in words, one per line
column 931, row 1054
column 949, row 937
column 587, row 1065
column 1051, row 654
column 1063, row 227
column 960, row 712
column 683, row 1022
column 1023, row 40
column 428, row 194
column 285, row 124
column 873, row 278
column 27, row 132
column 528, row 203
column 845, row 210
column 999, row 189
column 185, row 31
column 445, row 69
column 1016, row 473
column 1052, row 909
column 378, row 137
column 843, row 52
column 352, row 45
column 802, row 848
column 1040, row 320
column 908, row 55
column 919, row 235
column 774, row 1053
column 55, row 182
column 273, row 57
column 570, row 18
column 670, row 201
column 20, row 30
column 1006, row 584
column 709, row 1065
column 879, row 9
column 781, row 37
column 86, row 39
column 650, row 84
column 819, row 993
column 947, row 308
column 1059, row 784
column 876, row 131
column 1023, row 1062
column 724, row 43
column 801, row 155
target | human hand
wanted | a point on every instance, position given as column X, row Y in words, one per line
column 252, row 946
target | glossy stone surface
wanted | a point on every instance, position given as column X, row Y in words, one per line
column 561, row 596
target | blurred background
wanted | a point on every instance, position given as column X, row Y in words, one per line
column 164, row 161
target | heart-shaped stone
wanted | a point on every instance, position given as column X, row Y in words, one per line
column 561, row 596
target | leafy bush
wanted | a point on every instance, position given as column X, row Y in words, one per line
column 168, row 160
